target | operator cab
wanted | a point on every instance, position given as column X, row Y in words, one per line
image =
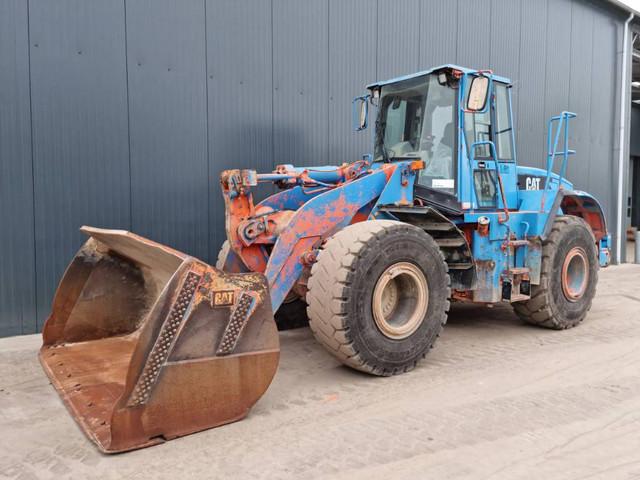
column 418, row 117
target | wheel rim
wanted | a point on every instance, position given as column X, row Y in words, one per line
column 400, row 300
column 575, row 274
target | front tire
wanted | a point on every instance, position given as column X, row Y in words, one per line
column 379, row 296
column 568, row 278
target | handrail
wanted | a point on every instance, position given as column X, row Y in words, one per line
column 494, row 156
column 562, row 126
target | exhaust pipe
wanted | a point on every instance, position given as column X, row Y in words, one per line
column 145, row 343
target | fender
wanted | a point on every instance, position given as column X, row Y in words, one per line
column 452, row 241
column 580, row 204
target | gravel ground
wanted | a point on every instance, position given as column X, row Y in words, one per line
column 495, row 399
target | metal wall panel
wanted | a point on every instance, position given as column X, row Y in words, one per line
column 239, row 96
column 580, row 93
column 558, row 58
column 474, row 33
column 398, row 33
column 529, row 101
column 80, row 147
column 603, row 164
column 352, row 50
column 504, row 55
column 168, row 122
column 438, row 33
column 17, row 262
column 300, row 81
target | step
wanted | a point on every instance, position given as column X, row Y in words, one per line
column 436, row 226
column 519, row 243
column 519, row 270
column 450, row 242
column 460, row 266
column 519, row 297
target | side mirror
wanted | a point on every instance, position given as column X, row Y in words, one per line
column 478, row 94
column 360, row 113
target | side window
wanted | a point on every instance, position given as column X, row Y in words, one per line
column 478, row 129
column 402, row 128
column 503, row 124
column 396, row 119
column 442, row 121
column 485, row 184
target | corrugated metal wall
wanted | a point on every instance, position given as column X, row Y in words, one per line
column 121, row 113
column 17, row 252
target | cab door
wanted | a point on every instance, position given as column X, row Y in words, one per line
column 489, row 140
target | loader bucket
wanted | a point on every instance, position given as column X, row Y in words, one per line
column 145, row 343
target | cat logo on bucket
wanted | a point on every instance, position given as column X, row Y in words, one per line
column 223, row 298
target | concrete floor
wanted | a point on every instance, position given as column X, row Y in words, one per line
column 495, row 399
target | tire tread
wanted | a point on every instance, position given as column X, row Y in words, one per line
column 329, row 291
column 540, row 310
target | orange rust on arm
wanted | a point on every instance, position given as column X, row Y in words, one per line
column 239, row 207
column 388, row 170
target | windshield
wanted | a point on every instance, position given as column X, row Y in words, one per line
column 416, row 118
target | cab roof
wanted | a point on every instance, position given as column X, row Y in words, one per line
column 431, row 70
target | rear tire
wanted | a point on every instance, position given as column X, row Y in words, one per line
column 379, row 296
column 290, row 315
column 568, row 278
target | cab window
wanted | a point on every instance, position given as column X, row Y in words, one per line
column 479, row 127
column 438, row 132
column 417, row 119
column 503, row 123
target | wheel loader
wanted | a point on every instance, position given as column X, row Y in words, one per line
column 145, row 343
